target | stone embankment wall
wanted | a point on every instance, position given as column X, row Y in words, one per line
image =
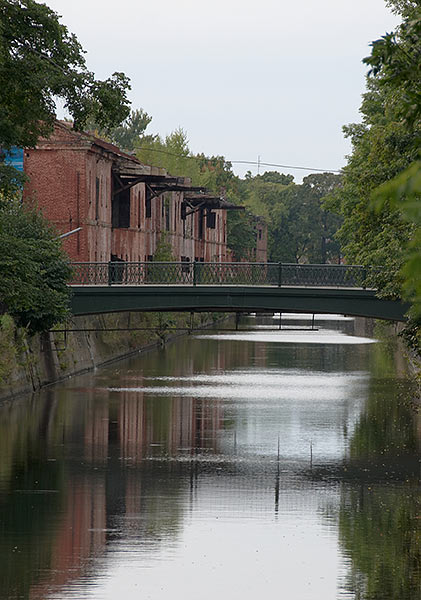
column 27, row 364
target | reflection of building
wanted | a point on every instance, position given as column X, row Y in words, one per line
column 79, row 537
column 184, row 425
column 122, row 205
column 96, row 425
column 128, row 431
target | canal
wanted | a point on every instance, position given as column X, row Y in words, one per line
column 254, row 464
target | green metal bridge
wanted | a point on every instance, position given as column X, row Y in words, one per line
column 230, row 287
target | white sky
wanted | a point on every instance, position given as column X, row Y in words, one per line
column 275, row 78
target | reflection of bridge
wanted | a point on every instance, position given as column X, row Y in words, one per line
column 256, row 287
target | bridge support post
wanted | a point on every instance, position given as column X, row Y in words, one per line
column 194, row 272
column 280, row 275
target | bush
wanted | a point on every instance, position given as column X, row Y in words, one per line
column 34, row 269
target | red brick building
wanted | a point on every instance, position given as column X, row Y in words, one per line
column 122, row 206
column 261, row 251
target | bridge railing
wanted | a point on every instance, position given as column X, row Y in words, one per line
column 198, row 273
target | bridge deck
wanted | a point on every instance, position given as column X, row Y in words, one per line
column 91, row 299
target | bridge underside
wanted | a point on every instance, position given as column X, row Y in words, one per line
column 355, row 302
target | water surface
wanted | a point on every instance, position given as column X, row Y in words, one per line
column 263, row 463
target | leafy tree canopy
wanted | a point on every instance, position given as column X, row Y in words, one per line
column 40, row 60
column 127, row 136
column 276, row 177
column 385, row 231
column 300, row 227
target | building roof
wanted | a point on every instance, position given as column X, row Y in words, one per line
column 129, row 170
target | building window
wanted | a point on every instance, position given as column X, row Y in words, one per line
column 121, row 210
column 200, row 217
column 97, row 189
column 148, row 203
column 167, row 214
column 260, row 234
column 210, row 219
column 183, row 211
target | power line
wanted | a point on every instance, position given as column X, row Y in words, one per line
column 245, row 162
column 260, row 163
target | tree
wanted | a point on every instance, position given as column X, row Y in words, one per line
column 300, row 228
column 127, row 136
column 34, row 269
column 214, row 173
column 41, row 61
column 163, row 251
column 324, row 247
column 276, row 177
column 241, row 233
column 384, row 231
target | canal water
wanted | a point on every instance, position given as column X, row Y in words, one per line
column 253, row 464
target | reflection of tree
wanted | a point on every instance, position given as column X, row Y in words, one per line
column 388, row 426
column 380, row 530
column 29, row 515
column 379, row 522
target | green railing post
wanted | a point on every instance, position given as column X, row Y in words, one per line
column 194, row 272
column 280, row 274
column 110, row 273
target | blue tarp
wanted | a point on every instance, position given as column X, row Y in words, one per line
column 13, row 157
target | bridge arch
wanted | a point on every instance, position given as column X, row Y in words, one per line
column 93, row 299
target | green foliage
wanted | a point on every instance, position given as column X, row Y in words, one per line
column 41, row 61
column 241, row 233
column 130, row 132
column 275, row 177
column 173, row 154
column 7, row 347
column 11, row 181
column 385, row 145
column 404, row 193
column 214, row 173
column 128, row 135
column 378, row 522
column 406, row 8
column 379, row 528
column 33, row 268
column 396, row 59
column 300, row 227
column 163, row 251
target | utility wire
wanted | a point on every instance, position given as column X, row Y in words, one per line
column 243, row 162
column 260, row 163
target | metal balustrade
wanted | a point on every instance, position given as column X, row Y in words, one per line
column 214, row 274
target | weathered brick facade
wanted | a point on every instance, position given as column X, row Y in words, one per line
column 73, row 181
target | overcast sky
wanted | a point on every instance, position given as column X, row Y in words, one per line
column 275, row 78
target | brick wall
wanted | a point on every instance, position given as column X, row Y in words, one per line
column 71, row 181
